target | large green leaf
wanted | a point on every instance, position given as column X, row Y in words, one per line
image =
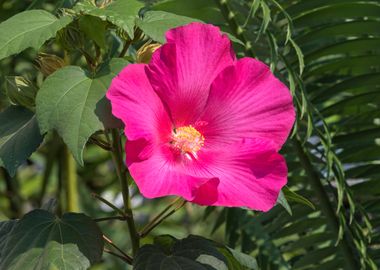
column 239, row 261
column 41, row 241
column 6, row 228
column 193, row 252
column 68, row 106
column 19, row 137
column 205, row 10
column 95, row 29
column 155, row 23
column 168, row 253
column 29, row 29
column 121, row 13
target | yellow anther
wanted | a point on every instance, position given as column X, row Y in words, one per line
column 187, row 139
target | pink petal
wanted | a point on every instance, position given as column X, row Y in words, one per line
column 247, row 101
column 159, row 173
column 182, row 70
column 135, row 102
column 251, row 174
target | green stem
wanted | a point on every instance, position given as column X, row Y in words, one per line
column 125, row 48
column 118, row 256
column 46, row 177
column 324, row 203
column 236, row 29
column 125, row 255
column 12, row 194
column 117, row 155
column 50, row 157
column 161, row 217
column 109, row 218
column 114, row 207
column 70, row 180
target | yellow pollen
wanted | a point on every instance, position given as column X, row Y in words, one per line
column 187, row 139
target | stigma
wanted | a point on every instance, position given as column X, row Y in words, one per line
column 187, row 140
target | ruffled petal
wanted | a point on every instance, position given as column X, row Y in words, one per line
column 182, row 70
column 251, row 174
column 246, row 174
column 135, row 102
column 247, row 101
column 158, row 172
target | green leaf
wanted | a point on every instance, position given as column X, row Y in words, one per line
column 28, row 29
column 155, row 23
column 239, row 261
column 284, row 203
column 292, row 196
column 6, row 228
column 68, row 106
column 205, row 10
column 193, row 252
column 266, row 246
column 95, row 29
column 19, row 137
column 234, row 39
column 40, row 241
column 21, row 91
column 121, row 13
column 166, row 242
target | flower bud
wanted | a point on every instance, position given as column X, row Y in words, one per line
column 48, row 63
column 121, row 33
column 21, row 91
column 103, row 3
column 70, row 38
column 144, row 54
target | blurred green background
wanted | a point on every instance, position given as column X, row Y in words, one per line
column 328, row 52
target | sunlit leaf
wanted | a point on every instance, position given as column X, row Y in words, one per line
column 19, row 137
column 121, row 13
column 40, row 241
column 155, row 23
column 28, row 29
column 69, row 106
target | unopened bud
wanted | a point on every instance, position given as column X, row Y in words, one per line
column 121, row 33
column 144, row 54
column 102, row 3
column 48, row 63
column 70, row 38
column 137, row 34
column 21, row 91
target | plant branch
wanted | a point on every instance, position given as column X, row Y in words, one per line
column 12, row 194
column 50, row 159
column 125, row 48
column 117, row 155
column 162, row 216
column 324, row 203
column 89, row 60
column 114, row 207
column 117, row 255
column 110, row 218
column 100, row 143
column 69, row 178
column 125, row 255
column 236, row 29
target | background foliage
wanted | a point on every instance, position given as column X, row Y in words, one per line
column 328, row 52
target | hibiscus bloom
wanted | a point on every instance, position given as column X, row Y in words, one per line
column 203, row 125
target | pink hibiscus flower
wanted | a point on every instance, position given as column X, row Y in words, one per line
column 203, row 125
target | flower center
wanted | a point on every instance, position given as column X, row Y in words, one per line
column 187, row 139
